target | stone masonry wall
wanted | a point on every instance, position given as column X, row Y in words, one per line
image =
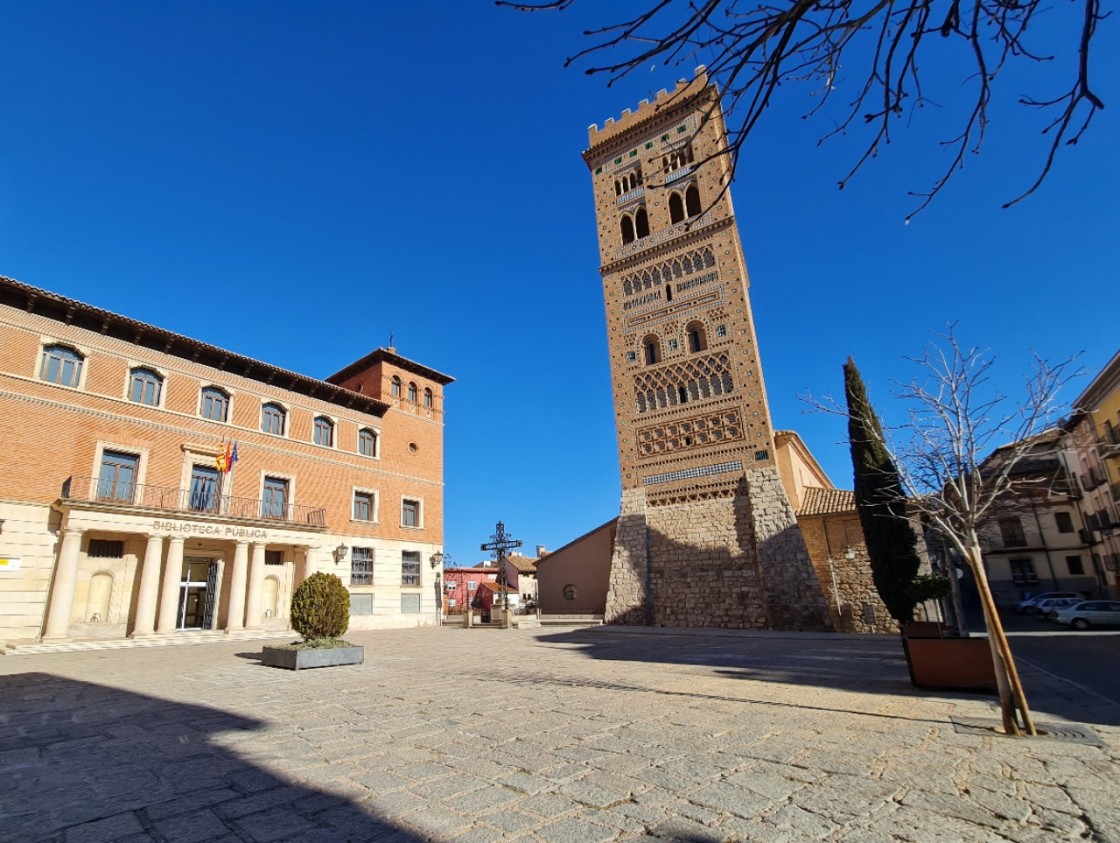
column 847, row 581
column 732, row 557
column 627, row 594
column 793, row 590
column 703, row 570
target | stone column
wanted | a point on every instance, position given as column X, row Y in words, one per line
column 236, row 619
column 284, row 610
column 172, row 579
column 218, row 592
column 256, row 586
column 149, row 588
column 62, row 593
column 305, row 568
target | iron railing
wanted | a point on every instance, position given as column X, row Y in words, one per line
column 190, row 501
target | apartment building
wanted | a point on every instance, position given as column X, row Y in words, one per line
column 155, row 484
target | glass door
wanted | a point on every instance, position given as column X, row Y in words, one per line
column 194, row 589
column 204, row 489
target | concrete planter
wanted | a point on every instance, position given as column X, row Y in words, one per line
column 302, row 659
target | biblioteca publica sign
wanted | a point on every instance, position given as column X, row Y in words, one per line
column 216, row 530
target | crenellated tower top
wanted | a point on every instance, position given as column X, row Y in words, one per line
column 685, row 90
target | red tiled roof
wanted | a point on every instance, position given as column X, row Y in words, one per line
column 493, row 586
column 523, row 564
column 827, row 501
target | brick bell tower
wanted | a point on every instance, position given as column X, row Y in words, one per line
column 706, row 535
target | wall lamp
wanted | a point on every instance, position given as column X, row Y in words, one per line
column 340, row 553
column 438, row 558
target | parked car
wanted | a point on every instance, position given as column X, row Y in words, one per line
column 1029, row 606
column 1049, row 607
column 1090, row 614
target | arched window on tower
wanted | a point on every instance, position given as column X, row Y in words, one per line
column 692, row 201
column 627, row 225
column 676, row 207
column 641, row 223
column 697, row 337
column 651, row 347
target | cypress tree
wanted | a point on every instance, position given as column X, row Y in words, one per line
column 891, row 545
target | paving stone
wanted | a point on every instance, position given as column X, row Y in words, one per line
column 839, row 796
column 526, row 782
column 943, row 805
column 260, row 801
column 575, row 831
column 104, row 830
column 272, row 825
column 510, row 821
column 194, row 827
column 654, row 726
column 726, row 797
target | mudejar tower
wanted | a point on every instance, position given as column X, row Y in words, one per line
column 706, row 534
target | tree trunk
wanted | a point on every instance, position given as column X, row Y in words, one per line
column 955, row 585
column 1011, row 694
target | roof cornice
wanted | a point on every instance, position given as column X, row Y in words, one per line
column 50, row 305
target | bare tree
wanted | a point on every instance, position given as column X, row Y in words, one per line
column 872, row 55
column 943, row 454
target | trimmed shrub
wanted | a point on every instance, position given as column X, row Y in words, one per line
column 321, row 607
column 929, row 587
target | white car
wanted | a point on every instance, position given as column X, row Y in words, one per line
column 1090, row 614
column 1030, row 605
column 1049, row 607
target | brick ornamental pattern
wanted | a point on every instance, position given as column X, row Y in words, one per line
column 698, row 544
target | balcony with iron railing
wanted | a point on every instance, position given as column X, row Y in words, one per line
column 187, row 502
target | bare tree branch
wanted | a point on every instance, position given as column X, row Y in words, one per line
column 753, row 48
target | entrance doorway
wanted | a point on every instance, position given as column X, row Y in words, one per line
column 197, row 589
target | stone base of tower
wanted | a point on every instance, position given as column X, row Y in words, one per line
column 628, row 590
column 720, row 555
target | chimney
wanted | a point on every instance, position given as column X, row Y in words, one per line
column 541, row 551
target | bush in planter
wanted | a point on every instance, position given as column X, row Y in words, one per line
column 929, row 587
column 321, row 608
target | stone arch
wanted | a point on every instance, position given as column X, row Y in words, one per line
column 99, row 597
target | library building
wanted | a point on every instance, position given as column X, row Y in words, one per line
column 156, row 485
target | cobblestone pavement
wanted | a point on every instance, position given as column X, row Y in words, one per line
column 539, row 735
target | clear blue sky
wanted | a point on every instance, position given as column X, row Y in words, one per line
column 293, row 181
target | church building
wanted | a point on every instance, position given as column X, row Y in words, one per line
column 706, row 534
column 155, row 485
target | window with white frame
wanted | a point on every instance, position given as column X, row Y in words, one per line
column 410, row 567
column 272, row 418
column 361, row 566
column 61, row 365
column 324, row 432
column 367, row 442
column 145, row 387
column 410, row 512
column 365, row 506
column 214, row 404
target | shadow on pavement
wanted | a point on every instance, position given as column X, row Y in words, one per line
column 862, row 665
column 80, row 761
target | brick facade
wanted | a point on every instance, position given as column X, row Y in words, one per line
column 706, row 534
column 288, row 503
